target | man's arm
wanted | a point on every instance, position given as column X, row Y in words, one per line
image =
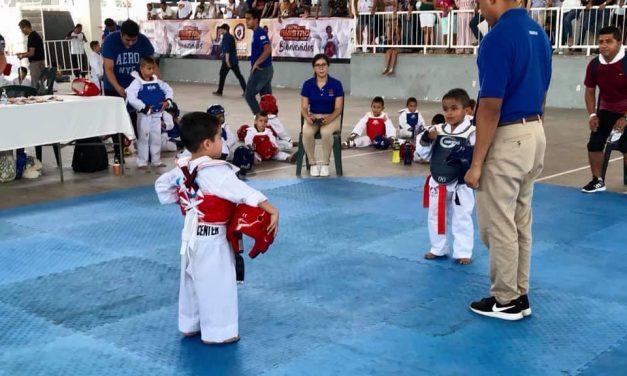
column 267, row 51
column 29, row 53
column 108, row 68
column 590, row 97
column 488, row 115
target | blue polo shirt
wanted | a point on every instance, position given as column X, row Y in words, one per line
column 260, row 39
column 322, row 101
column 125, row 60
column 515, row 65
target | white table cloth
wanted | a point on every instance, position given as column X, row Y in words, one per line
column 60, row 122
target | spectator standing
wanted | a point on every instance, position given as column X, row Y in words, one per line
column 594, row 19
column 230, row 10
column 165, row 12
column 121, row 53
column 185, row 10
column 427, row 22
column 151, row 12
column 77, row 50
column 607, row 71
column 261, row 72
column 242, row 7
column 464, row 37
column 338, row 8
column 568, row 16
column 229, row 60
column 365, row 20
column 110, row 27
column 34, row 53
column 213, row 12
column 3, row 58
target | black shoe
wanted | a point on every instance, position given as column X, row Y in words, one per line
column 491, row 308
column 218, row 93
column 525, row 309
column 595, row 185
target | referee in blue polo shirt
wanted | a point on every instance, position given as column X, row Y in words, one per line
column 514, row 74
column 261, row 71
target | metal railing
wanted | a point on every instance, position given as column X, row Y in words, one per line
column 462, row 30
column 59, row 54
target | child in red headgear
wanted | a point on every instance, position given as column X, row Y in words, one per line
column 268, row 105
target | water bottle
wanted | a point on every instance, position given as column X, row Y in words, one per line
column 396, row 152
column 4, row 99
column 408, row 154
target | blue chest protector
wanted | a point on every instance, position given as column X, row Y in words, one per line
column 451, row 156
column 412, row 119
column 152, row 95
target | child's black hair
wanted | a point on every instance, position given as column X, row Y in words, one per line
column 197, row 127
column 438, row 119
column 378, row 100
column 93, row 44
column 459, row 95
column 261, row 114
column 411, row 100
column 473, row 104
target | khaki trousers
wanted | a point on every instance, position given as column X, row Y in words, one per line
column 326, row 135
column 36, row 69
column 514, row 161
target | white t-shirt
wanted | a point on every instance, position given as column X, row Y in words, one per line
column 77, row 43
column 186, row 11
column 229, row 11
column 569, row 4
column 364, row 6
column 168, row 13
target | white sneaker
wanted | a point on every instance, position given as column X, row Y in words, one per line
column 314, row 170
column 324, row 170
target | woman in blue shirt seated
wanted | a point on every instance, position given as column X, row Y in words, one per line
column 321, row 102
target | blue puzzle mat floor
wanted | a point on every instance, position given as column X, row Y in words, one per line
column 89, row 286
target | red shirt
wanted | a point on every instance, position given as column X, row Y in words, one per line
column 612, row 83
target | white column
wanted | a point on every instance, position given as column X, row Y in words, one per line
column 89, row 14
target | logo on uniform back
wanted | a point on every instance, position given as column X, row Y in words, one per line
column 533, row 32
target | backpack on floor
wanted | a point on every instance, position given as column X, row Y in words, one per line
column 7, row 166
column 90, row 158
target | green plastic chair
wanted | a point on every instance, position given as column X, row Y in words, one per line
column 337, row 148
column 606, row 161
column 14, row 91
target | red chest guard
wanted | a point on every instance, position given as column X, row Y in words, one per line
column 210, row 208
column 264, row 146
column 375, row 127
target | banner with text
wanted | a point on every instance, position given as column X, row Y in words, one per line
column 293, row 38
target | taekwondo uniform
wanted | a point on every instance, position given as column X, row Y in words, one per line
column 410, row 124
column 146, row 97
column 229, row 139
column 373, row 126
column 283, row 139
column 170, row 133
column 96, row 66
column 446, row 195
column 207, row 191
column 265, row 145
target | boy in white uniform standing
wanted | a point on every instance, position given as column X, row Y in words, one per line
column 149, row 96
column 96, row 64
column 445, row 193
column 207, row 190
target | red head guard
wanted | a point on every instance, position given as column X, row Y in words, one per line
column 251, row 221
column 407, row 146
column 241, row 132
column 264, row 146
column 268, row 104
column 85, row 88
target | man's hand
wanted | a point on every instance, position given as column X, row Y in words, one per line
column 594, row 123
column 620, row 124
column 255, row 67
column 472, row 177
column 228, row 64
column 164, row 105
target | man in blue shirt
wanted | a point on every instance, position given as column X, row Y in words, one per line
column 514, row 74
column 229, row 60
column 261, row 71
column 110, row 27
column 121, row 52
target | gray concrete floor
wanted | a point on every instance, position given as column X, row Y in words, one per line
column 565, row 163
